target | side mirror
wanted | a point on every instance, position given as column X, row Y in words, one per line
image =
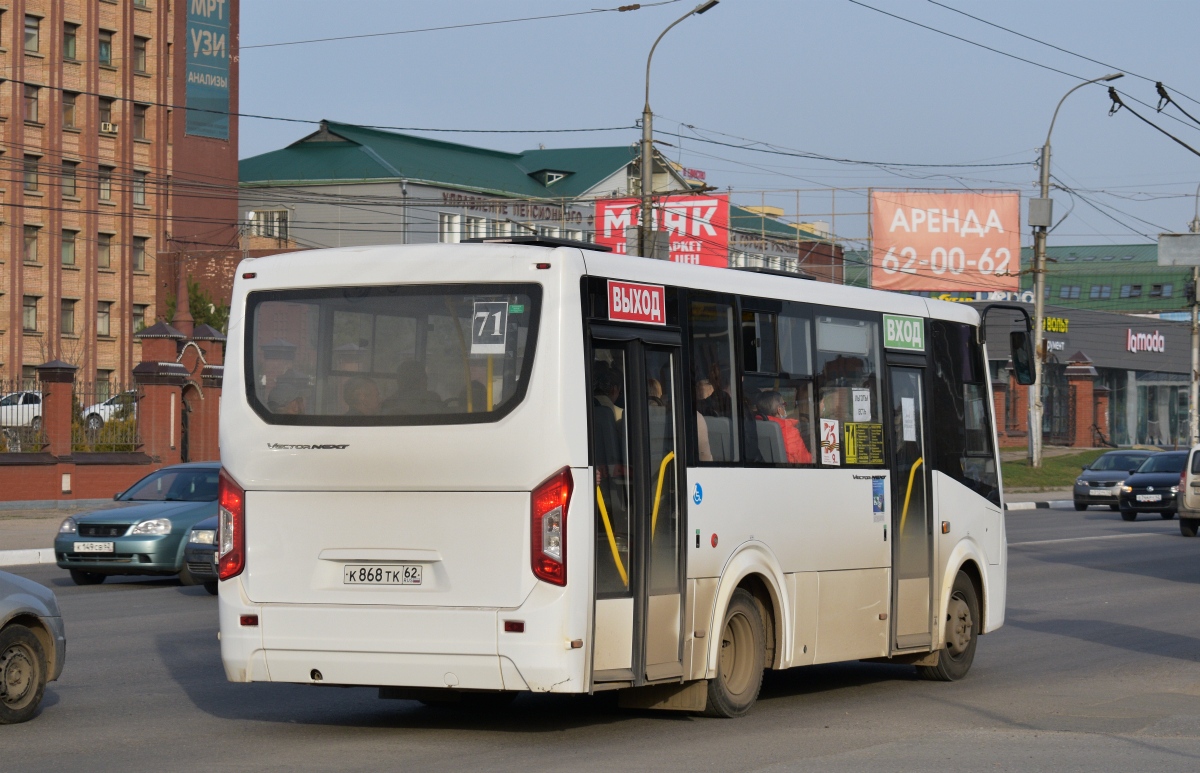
column 1021, row 345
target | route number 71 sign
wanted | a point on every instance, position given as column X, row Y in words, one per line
column 489, row 327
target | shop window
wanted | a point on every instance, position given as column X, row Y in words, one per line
column 777, row 387
column 848, row 360
column 962, row 432
column 713, row 384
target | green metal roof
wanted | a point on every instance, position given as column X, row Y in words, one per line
column 341, row 152
column 1097, row 276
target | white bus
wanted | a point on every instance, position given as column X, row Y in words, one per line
column 464, row 471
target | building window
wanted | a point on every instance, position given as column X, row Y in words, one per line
column 139, row 253
column 448, row 228
column 1156, row 291
column 31, row 103
column 103, row 385
column 475, row 228
column 104, row 250
column 139, row 317
column 139, row 188
column 33, row 36
column 106, row 111
column 103, row 318
column 272, row 224
column 1125, row 291
column 1168, row 290
column 70, row 36
column 69, row 178
column 1100, row 292
column 31, row 243
column 31, row 173
column 104, row 179
column 67, row 317
column 68, row 115
column 1065, row 292
column 105, row 48
column 139, row 121
column 29, row 314
column 139, row 54
column 68, row 247
column 1135, row 291
column 141, row 3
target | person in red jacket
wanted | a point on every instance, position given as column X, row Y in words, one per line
column 772, row 408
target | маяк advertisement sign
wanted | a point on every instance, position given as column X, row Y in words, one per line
column 208, row 44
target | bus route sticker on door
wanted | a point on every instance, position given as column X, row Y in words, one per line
column 634, row 302
column 489, row 327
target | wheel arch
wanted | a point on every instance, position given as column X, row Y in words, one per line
column 966, row 557
column 753, row 567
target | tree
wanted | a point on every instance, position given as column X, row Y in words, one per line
column 205, row 310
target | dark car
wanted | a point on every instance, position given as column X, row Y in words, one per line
column 148, row 534
column 200, row 554
column 1100, row 482
column 1153, row 488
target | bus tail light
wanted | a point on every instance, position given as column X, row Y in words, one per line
column 231, row 527
column 548, row 527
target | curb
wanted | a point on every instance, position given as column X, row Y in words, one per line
column 24, row 557
column 1039, row 505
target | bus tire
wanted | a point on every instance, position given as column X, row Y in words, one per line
column 741, row 659
column 962, row 634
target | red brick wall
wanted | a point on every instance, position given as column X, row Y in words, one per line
column 213, row 269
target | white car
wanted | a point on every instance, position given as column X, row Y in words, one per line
column 120, row 405
column 21, row 409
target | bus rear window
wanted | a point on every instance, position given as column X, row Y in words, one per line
column 396, row 355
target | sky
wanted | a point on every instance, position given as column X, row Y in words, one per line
column 826, row 77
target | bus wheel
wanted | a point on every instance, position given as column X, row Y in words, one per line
column 741, row 660
column 962, row 634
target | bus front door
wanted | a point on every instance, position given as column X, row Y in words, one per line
column 912, row 541
column 635, row 417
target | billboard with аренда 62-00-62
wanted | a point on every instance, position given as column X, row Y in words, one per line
column 943, row 240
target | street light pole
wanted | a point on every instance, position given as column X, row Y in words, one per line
column 1194, row 385
column 1039, row 287
column 645, row 226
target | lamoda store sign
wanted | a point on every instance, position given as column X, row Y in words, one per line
column 1145, row 342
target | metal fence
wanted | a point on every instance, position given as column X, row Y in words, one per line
column 104, row 417
column 21, row 426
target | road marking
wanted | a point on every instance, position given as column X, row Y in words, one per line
column 1081, row 539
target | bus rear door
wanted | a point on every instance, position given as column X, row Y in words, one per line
column 636, row 449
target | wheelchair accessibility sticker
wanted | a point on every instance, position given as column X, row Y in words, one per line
column 698, row 494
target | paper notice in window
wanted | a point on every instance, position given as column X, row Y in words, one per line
column 908, row 411
column 862, row 404
column 831, row 447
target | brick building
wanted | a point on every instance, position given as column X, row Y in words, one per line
column 118, row 132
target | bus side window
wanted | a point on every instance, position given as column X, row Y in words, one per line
column 962, row 429
column 714, row 389
column 778, row 387
column 848, row 365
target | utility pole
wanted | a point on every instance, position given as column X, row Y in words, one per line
column 1194, row 387
column 1040, row 217
column 646, row 223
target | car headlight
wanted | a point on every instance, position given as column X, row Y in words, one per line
column 152, row 526
column 1174, row 489
column 68, row 526
column 1080, row 482
column 1120, row 483
column 1127, row 489
column 203, row 536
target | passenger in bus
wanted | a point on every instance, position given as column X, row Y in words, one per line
column 771, row 407
column 413, row 396
column 286, row 398
column 606, row 427
column 361, row 396
column 712, row 399
column 654, row 392
column 607, row 382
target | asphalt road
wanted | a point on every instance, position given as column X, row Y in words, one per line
column 1097, row 669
